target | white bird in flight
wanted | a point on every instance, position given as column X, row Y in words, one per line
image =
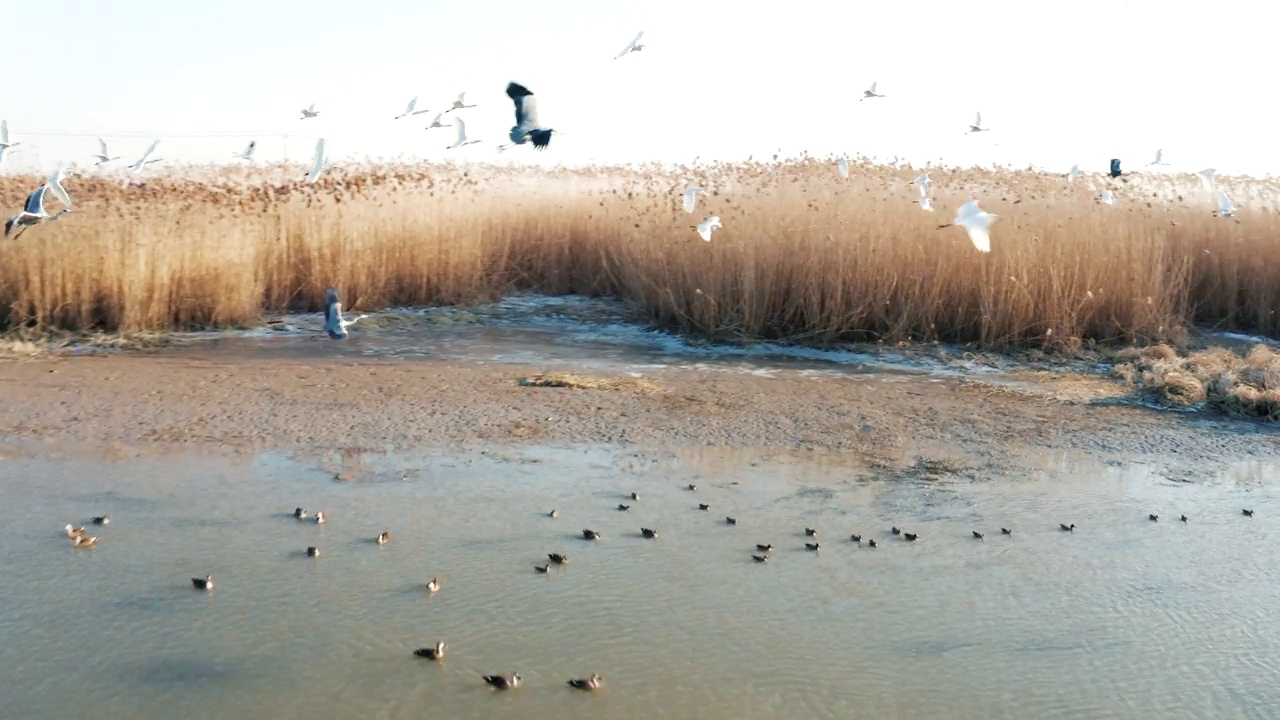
column 33, row 212
column 436, row 122
column 977, row 125
column 843, row 166
column 1225, row 207
column 247, row 153
column 633, row 46
column 410, row 110
column 977, row 222
column 922, row 182
column 460, row 103
column 705, row 227
column 1107, row 197
column 527, row 127
column 309, row 112
column 869, row 93
column 4, row 139
column 146, row 158
column 462, row 136
column 1206, row 178
column 1074, row 173
column 334, row 323
column 1159, row 158
column 691, row 198
column 317, row 163
column 103, row 156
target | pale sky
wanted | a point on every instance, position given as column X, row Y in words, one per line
column 1057, row 83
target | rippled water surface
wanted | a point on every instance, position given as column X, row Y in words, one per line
column 1124, row 618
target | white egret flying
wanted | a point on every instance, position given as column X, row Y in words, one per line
column 691, row 198
column 103, row 156
column 462, row 136
column 436, row 123
column 1225, row 207
column 317, row 163
column 334, row 323
column 633, row 46
column 4, row 139
column 460, row 103
column 977, row 125
column 1159, row 158
column 843, row 166
column 1206, row 178
column 146, row 158
column 977, row 222
column 527, row 126
column 705, row 227
column 247, row 153
column 309, row 112
column 410, row 110
column 869, row 93
column 922, row 182
column 33, row 213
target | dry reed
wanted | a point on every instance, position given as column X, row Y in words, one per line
column 804, row 256
column 1242, row 385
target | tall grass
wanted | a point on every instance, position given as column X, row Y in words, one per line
column 803, row 256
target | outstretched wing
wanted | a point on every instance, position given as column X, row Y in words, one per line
column 977, row 121
column 526, row 105
column 462, row 130
column 102, row 147
column 332, row 306
column 4, row 132
column 35, row 201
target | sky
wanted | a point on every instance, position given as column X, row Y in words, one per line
column 1057, row 83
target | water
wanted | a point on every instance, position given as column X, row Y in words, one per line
column 1124, row 618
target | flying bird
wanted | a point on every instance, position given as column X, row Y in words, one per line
column 691, row 198
column 1158, row 160
column 4, row 139
column 922, row 182
column 436, row 122
column 146, row 158
column 334, row 323
column 462, row 136
column 977, row 125
column 527, row 126
column 309, row 112
column 409, row 110
column 247, row 153
column 1225, row 207
column 33, row 213
column 102, row 156
column 633, row 46
column 842, row 165
column 1206, row 178
column 869, row 93
column 705, row 228
column 459, row 104
column 317, row 163
column 977, row 222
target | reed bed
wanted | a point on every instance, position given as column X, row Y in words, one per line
column 804, row 255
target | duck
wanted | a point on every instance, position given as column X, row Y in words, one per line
column 760, row 558
column 692, row 487
column 503, row 682
column 543, row 568
column 871, row 543
column 1247, row 513
column 204, row 583
column 592, row 534
column 434, row 585
column 320, row 517
column 83, row 541
column 590, row 683
column 300, row 514
column 810, row 532
column 431, row 653
column 909, row 537
column 623, row 507
column 1153, row 517
column 649, row 533
column 635, row 496
column 1006, row 531
column 765, row 548
column 552, row 514
column 100, row 520
column 811, row 546
column 895, row 530
column 558, row 558
column 855, row 538
column 1067, row 528
column 730, row 521
column 1183, row 518
column 313, row 551
column 977, row 535
column 703, row 506
column 383, row 538
column 74, row 532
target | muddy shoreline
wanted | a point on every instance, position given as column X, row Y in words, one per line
column 168, row 401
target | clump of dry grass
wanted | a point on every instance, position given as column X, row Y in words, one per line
column 1240, row 385
column 584, row 382
column 804, row 256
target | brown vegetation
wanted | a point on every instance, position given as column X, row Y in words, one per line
column 803, row 256
column 1242, row 385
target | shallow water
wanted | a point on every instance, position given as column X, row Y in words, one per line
column 1123, row 618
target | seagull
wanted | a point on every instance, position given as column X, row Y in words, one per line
column 870, row 93
column 527, row 126
column 462, row 136
column 1074, row 173
column 690, row 202
column 1206, row 178
column 922, row 182
column 1107, row 197
column 436, row 123
column 317, row 163
column 102, row 156
column 705, row 227
column 309, row 112
column 633, row 46
column 1225, row 206
column 247, row 153
column 459, row 104
column 33, row 213
column 334, row 323
column 146, row 159
column 4, row 138
column 977, row 125
column 977, row 222
column 1158, row 160
column 843, row 166
column 409, row 110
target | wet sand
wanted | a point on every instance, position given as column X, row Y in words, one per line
column 164, row 399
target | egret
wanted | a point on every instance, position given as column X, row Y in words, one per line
column 309, row 112
column 1074, row 173
column 410, row 110
column 691, row 198
column 1206, row 178
column 869, row 93
column 926, row 204
column 705, row 227
column 247, row 153
column 977, row 125
column 33, row 213
column 843, row 166
column 459, row 104
column 334, row 323
column 1225, row 206
column 977, row 222
column 462, row 136
column 633, row 46
column 922, row 182
column 4, row 139
column 527, row 126
column 1107, row 197
column 317, row 163
column 436, row 123
column 102, row 156
column 145, row 160
column 1158, row 160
